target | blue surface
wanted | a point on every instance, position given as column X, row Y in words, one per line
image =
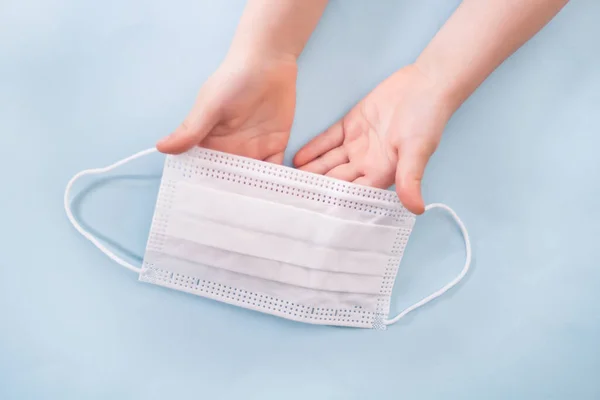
column 84, row 83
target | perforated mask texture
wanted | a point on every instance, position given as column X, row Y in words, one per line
column 228, row 172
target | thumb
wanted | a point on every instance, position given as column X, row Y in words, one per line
column 409, row 173
column 199, row 122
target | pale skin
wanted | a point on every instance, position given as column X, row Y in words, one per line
column 247, row 106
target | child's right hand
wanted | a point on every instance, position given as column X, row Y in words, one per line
column 387, row 137
column 246, row 108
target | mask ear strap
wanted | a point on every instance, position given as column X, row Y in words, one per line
column 450, row 284
column 87, row 234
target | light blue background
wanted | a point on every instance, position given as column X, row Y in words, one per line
column 84, row 83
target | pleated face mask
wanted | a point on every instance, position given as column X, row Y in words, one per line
column 275, row 239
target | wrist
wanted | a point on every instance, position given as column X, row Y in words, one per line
column 436, row 93
column 256, row 45
column 247, row 55
column 448, row 89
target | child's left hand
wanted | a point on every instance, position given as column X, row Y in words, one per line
column 387, row 137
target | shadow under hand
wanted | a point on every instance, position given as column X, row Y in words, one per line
column 76, row 206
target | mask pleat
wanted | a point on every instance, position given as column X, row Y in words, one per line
column 277, row 240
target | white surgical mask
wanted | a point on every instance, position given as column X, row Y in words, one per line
column 275, row 239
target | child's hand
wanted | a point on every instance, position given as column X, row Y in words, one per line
column 245, row 108
column 389, row 136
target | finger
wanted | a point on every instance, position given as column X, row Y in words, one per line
column 327, row 161
column 374, row 181
column 363, row 180
column 259, row 147
column 326, row 141
column 409, row 173
column 275, row 158
column 344, row 172
column 194, row 128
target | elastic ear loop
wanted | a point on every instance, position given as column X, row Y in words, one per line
column 450, row 284
column 88, row 235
